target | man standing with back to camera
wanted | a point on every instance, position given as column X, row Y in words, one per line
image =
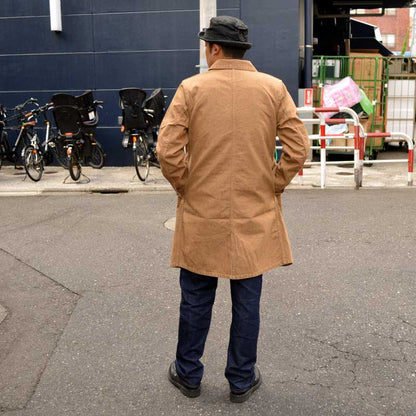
column 229, row 221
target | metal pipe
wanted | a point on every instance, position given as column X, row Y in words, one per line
column 55, row 15
column 207, row 9
column 307, row 73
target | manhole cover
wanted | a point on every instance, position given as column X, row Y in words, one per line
column 170, row 224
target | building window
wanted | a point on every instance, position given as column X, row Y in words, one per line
column 372, row 12
column 390, row 12
column 389, row 40
column 358, row 11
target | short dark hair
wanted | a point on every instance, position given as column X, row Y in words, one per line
column 230, row 51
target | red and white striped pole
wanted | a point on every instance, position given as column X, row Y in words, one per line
column 410, row 167
column 307, row 103
column 322, row 128
column 358, row 166
column 322, row 131
column 300, row 175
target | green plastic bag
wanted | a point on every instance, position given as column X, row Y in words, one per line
column 366, row 104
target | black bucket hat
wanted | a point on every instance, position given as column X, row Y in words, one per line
column 228, row 31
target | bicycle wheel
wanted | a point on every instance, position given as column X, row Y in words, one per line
column 3, row 152
column 59, row 152
column 33, row 163
column 141, row 160
column 74, row 165
column 97, row 157
column 48, row 157
column 4, row 147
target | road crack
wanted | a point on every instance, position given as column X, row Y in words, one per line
column 38, row 271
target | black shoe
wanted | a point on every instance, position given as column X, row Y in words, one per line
column 243, row 396
column 180, row 384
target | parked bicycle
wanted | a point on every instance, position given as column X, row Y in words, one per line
column 16, row 121
column 4, row 143
column 36, row 154
column 27, row 144
column 92, row 152
column 141, row 119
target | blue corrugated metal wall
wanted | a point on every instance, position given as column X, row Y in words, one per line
column 106, row 45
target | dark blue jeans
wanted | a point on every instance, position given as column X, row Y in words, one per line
column 198, row 295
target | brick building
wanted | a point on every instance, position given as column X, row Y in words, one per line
column 393, row 26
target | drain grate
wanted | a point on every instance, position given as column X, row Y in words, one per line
column 345, row 173
column 109, row 191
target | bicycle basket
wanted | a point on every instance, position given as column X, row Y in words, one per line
column 85, row 103
column 67, row 120
column 131, row 101
column 156, row 103
column 64, row 99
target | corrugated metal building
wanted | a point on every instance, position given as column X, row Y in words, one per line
column 106, row 45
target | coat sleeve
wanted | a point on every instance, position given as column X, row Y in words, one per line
column 172, row 140
column 294, row 138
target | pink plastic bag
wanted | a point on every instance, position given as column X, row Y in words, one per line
column 344, row 93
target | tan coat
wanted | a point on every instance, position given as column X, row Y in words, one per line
column 229, row 218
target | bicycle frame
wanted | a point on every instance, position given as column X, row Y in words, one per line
column 4, row 144
column 139, row 136
column 70, row 144
column 12, row 155
column 135, row 136
column 45, row 143
column 23, row 139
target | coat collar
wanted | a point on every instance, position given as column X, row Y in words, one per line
column 239, row 64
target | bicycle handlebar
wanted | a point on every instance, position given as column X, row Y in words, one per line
column 42, row 109
column 39, row 110
column 19, row 107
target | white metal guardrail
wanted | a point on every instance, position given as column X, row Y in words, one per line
column 395, row 137
column 359, row 136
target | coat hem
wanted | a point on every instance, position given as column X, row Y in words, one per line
column 230, row 276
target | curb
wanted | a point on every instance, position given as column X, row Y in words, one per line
column 105, row 189
column 117, row 180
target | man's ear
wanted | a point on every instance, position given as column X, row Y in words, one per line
column 216, row 49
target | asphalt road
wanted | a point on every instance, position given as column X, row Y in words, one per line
column 92, row 309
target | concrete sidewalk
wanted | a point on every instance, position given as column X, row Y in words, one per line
column 124, row 179
column 55, row 179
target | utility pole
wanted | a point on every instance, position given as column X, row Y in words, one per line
column 207, row 9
